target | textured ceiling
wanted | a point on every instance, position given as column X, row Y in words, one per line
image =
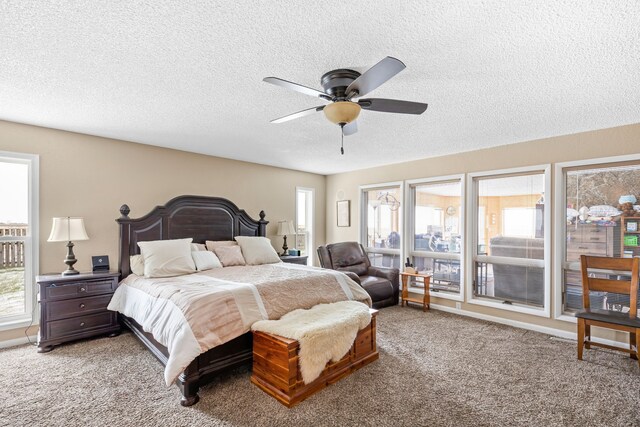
column 188, row 74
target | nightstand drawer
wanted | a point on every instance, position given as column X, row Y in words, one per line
column 73, row 307
column 78, row 325
column 63, row 290
column 594, row 236
column 597, row 249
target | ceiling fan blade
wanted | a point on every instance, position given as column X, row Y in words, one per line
column 375, row 76
column 297, row 115
column 298, row 88
column 392, row 106
column 350, row 128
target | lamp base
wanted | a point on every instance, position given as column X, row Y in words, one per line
column 285, row 248
column 70, row 260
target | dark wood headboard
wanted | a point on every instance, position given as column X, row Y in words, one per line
column 200, row 217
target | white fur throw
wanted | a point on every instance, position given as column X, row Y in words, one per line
column 325, row 332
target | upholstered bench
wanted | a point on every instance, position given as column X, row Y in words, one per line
column 276, row 367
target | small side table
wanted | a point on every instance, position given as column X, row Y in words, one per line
column 426, row 300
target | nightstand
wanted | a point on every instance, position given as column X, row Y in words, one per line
column 75, row 307
column 292, row 259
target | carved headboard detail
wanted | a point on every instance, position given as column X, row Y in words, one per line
column 200, row 217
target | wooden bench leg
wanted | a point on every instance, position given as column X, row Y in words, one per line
column 581, row 325
column 632, row 343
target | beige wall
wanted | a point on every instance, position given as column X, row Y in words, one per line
column 602, row 143
column 92, row 177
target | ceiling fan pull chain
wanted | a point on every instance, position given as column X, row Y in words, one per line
column 342, row 138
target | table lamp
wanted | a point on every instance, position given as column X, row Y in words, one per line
column 285, row 227
column 66, row 229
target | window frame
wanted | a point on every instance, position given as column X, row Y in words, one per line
column 408, row 244
column 560, row 244
column 472, row 249
column 364, row 212
column 310, row 205
column 31, row 253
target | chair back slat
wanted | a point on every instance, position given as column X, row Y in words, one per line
column 624, row 266
column 607, row 263
column 610, row 285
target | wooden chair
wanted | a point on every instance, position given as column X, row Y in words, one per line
column 588, row 317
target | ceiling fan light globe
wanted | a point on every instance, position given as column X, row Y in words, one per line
column 342, row 112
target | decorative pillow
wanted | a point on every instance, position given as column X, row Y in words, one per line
column 603, row 210
column 205, row 260
column 230, row 255
column 213, row 244
column 257, row 250
column 166, row 258
column 198, row 247
column 136, row 263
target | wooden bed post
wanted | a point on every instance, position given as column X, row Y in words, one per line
column 123, row 261
column 262, row 224
column 189, row 385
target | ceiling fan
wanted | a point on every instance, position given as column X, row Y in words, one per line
column 342, row 86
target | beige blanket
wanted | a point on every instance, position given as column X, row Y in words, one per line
column 193, row 313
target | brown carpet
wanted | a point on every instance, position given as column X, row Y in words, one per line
column 434, row 369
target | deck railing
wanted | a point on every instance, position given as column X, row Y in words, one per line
column 11, row 254
column 12, row 250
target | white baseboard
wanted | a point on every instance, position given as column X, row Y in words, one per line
column 17, row 341
column 523, row 325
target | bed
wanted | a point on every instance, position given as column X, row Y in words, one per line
column 203, row 219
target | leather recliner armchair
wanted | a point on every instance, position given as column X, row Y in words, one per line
column 382, row 284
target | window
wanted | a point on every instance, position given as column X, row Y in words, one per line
column 18, row 232
column 304, row 221
column 511, row 240
column 382, row 224
column 589, row 199
column 436, row 230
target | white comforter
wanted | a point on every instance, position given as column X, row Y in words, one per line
column 193, row 313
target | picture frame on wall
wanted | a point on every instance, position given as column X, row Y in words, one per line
column 344, row 213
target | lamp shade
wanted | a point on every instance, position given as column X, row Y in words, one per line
column 285, row 227
column 67, row 229
column 342, row 112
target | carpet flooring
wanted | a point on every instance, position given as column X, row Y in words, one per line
column 435, row 369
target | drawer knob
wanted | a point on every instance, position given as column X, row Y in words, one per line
column 81, row 323
column 82, row 289
column 81, row 305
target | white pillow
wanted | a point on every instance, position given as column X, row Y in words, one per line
column 257, row 250
column 198, row 247
column 166, row 258
column 136, row 264
column 205, row 260
column 603, row 210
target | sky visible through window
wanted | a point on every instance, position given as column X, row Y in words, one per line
column 14, row 192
